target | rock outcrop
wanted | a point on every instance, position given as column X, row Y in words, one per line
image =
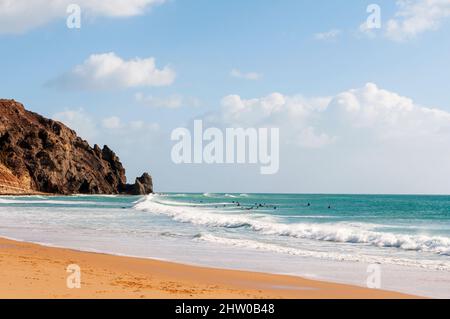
column 39, row 155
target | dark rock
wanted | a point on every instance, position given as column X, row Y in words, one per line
column 41, row 155
column 147, row 182
column 142, row 185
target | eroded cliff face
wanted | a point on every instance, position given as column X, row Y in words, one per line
column 41, row 155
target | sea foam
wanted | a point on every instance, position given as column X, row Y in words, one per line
column 336, row 256
column 269, row 225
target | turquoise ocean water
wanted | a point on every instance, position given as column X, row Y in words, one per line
column 277, row 230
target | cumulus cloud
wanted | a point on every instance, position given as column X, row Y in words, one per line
column 416, row 17
column 329, row 35
column 18, row 16
column 253, row 76
column 294, row 115
column 361, row 140
column 369, row 112
column 109, row 71
column 389, row 115
column 171, row 102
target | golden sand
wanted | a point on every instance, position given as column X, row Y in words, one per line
column 34, row 271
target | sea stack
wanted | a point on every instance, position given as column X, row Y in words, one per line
column 39, row 155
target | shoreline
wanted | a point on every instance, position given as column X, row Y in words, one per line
column 30, row 270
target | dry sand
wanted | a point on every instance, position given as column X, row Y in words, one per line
column 34, row 271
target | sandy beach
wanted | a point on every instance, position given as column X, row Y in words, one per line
column 34, row 271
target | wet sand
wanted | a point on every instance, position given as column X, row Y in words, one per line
column 35, row 271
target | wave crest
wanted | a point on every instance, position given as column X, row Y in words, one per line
column 331, row 232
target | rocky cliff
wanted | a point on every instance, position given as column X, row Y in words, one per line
column 39, row 155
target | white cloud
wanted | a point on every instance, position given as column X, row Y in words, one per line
column 138, row 143
column 416, row 17
column 123, row 137
column 79, row 121
column 245, row 75
column 112, row 122
column 366, row 31
column 412, row 18
column 363, row 140
column 118, row 8
column 370, row 112
column 329, row 35
column 171, row 102
column 18, row 16
column 388, row 115
column 294, row 115
column 109, row 71
column 90, row 129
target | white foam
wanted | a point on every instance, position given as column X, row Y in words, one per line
column 39, row 201
column 356, row 233
column 252, row 244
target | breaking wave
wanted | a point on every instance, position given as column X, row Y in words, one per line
column 268, row 225
column 253, row 244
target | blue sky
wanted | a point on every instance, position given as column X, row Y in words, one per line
column 202, row 42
